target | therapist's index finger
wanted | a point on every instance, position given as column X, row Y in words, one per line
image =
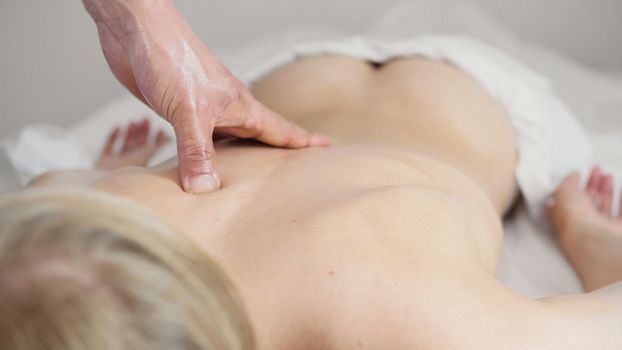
column 275, row 130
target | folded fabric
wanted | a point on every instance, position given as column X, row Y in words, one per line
column 38, row 149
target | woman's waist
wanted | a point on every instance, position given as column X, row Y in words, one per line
column 267, row 179
column 348, row 164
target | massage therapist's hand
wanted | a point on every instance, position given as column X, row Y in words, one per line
column 153, row 52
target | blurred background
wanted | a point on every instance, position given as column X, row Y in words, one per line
column 52, row 69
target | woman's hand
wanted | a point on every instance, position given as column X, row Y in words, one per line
column 137, row 147
column 154, row 53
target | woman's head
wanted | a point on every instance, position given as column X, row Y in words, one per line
column 84, row 270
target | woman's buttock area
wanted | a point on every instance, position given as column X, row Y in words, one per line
column 424, row 106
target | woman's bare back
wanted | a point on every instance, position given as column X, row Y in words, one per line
column 425, row 107
column 400, row 212
column 381, row 241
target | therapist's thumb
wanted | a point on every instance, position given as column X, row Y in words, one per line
column 196, row 160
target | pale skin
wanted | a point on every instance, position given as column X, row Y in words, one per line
column 389, row 239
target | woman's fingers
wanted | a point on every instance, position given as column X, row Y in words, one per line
column 111, row 141
column 593, row 184
column 128, row 143
column 161, row 138
column 136, row 137
column 142, row 135
column 606, row 195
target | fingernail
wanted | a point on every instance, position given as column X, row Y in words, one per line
column 203, row 183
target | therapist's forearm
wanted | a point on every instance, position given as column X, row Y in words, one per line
column 127, row 17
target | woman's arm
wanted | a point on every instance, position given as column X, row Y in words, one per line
column 126, row 147
column 76, row 178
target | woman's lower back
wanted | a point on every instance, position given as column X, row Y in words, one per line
column 426, row 107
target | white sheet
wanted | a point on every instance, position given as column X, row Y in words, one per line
column 531, row 263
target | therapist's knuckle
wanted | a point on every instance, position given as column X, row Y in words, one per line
column 177, row 114
column 197, row 152
column 289, row 135
column 223, row 98
column 252, row 123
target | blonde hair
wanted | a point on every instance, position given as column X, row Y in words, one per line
column 85, row 270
